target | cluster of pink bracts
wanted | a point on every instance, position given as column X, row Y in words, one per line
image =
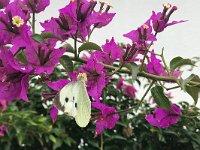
column 77, row 21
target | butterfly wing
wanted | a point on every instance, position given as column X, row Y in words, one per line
column 83, row 115
column 67, row 99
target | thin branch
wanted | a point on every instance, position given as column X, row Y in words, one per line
column 164, row 62
column 75, row 45
column 91, row 33
column 145, row 54
column 138, row 105
column 145, row 94
column 101, row 144
column 141, row 74
column 147, row 49
column 175, row 87
column 117, row 69
column 33, row 23
column 76, row 39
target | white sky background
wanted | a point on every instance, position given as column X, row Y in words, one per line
column 178, row 40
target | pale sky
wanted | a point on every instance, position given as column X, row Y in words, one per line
column 179, row 40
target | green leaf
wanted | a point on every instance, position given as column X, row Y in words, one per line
column 38, row 38
column 94, row 144
column 67, row 63
column 58, row 143
column 89, row 46
column 52, row 138
column 184, row 82
column 69, row 141
column 179, row 61
column 22, row 57
column 134, row 70
column 21, row 138
column 193, row 92
column 160, row 98
column 68, row 47
column 117, row 137
column 46, row 35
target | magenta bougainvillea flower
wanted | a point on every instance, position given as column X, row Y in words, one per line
column 154, row 66
column 3, row 105
column 3, row 128
column 76, row 19
column 126, row 88
column 102, row 19
column 43, row 56
column 142, row 34
column 14, row 76
column 106, row 119
column 36, row 5
column 3, row 39
column 130, row 54
column 162, row 118
column 96, row 75
column 18, row 6
column 160, row 19
column 4, row 3
column 174, row 73
column 13, row 23
column 54, row 113
column 80, row 12
column 58, row 85
column 61, row 27
column 111, row 52
column 17, row 14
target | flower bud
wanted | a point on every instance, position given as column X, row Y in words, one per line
column 174, row 8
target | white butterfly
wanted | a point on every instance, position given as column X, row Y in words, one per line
column 75, row 102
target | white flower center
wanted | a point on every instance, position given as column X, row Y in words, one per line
column 17, row 21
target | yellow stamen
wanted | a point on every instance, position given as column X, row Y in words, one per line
column 167, row 5
column 82, row 76
column 145, row 26
column 17, row 21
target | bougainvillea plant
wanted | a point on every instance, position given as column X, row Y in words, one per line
column 26, row 55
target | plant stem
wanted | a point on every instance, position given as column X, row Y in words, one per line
column 76, row 39
column 75, row 45
column 138, row 105
column 91, row 33
column 145, row 54
column 175, row 87
column 164, row 62
column 101, row 144
column 33, row 23
column 141, row 74
column 147, row 50
column 145, row 94
column 17, row 52
column 117, row 69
